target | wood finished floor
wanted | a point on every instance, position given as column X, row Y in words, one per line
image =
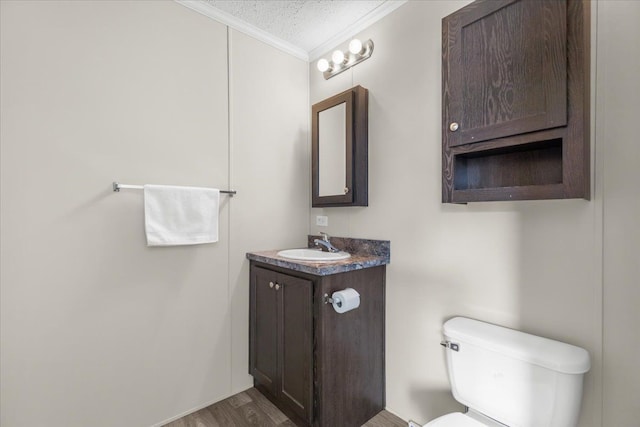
column 251, row 408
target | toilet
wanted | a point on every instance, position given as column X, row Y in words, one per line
column 509, row 378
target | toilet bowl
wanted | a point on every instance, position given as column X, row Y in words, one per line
column 510, row 378
column 458, row 419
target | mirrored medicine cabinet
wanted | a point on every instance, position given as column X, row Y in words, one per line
column 339, row 140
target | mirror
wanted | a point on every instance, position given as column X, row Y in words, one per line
column 332, row 154
column 339, row 150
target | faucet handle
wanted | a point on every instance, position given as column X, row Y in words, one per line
column 325, row 236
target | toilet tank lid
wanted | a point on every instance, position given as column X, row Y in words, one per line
column 545, row 352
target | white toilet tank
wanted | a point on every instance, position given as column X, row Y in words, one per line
column 518, row 379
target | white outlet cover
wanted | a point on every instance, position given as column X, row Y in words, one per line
column 322, row 221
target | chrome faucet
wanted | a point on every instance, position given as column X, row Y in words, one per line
column 325, row 244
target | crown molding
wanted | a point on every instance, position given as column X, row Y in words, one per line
column 225, row 18
column 369, row 19
column 248, row 29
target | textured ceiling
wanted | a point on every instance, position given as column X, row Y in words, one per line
column 306, row 24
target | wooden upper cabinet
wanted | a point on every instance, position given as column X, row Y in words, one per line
column 515, row 100
column 508, row 69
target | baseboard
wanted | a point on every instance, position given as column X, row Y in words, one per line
column 386, row 408
column 190, row 411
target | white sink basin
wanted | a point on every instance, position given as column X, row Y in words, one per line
column 313, row 255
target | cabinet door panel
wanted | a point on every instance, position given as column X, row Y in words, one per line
column 264, row 328
column 296, row 344
column 506, row 70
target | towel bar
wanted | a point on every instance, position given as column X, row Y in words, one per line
column 117, row 187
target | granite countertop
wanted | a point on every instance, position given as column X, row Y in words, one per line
column 364, row 254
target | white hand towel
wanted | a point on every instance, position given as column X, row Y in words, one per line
column 180, row 215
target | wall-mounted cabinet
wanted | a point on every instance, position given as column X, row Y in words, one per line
column 339, row 149
column 515, row 91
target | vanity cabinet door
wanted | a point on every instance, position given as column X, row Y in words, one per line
column 296, row 344
column 264, row 328
column 281, row 339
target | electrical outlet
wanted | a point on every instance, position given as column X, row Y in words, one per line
column 413, row 424
column 322, row 221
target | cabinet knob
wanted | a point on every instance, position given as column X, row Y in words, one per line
column 454, row 126
column 277, row 286
column 271, row 284
column 346, row 190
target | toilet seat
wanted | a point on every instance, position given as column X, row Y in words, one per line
column 458, row 419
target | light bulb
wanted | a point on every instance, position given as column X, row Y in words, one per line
column 323, row 65
column 337, row 57
column 355, row 46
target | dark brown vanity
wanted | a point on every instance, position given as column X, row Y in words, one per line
column 321, row 368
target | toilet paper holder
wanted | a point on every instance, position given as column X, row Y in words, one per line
column 343, row 301
column 328, row 299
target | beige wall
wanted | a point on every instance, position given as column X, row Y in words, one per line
column 98, row 329
column 536, row 266
column 617, row 115
column 270, row 152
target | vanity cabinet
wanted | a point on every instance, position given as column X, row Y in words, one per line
column 321, row 368
column 515, row 91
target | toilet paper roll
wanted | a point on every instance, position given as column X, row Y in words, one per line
column 345, row 300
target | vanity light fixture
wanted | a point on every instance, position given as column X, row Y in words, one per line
column 342, row 61
column 337, row 57
column 355, row 46
column 323, row 65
